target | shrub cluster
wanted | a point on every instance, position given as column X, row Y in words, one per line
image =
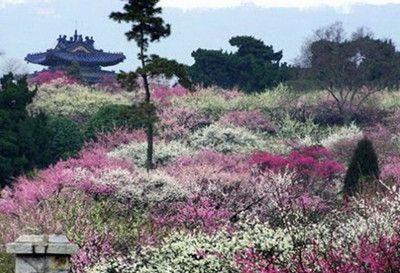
column 73, row 101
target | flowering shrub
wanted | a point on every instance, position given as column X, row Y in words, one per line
column 215, row 102
column 94, row 249
column 73, row 101
column 307, row 133
column 212, row 175
column 252, row 261
column 49, row 77
column 109, row 84
column 343, row 150
column 75, row 172
column 364, row 257
column 163, row 94
column 110, row 141
column 386, row 144
column 178, row 123
column 252, row 120
column 146, row 190
column 342, row 134
column 200, row 252
column 226, row 140
column 165, row 152
column 206, row 101
column 391, row 170
column 196, row 213
column 307, row 162
column 298, row 246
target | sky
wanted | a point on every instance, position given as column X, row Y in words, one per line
column 28, row 26
column 301, row 4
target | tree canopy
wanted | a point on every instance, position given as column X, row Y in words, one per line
column 23, row 138
column 352, row 70
column 253, row 67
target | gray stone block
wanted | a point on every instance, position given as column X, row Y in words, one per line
column 42, row 253
column 18, row 248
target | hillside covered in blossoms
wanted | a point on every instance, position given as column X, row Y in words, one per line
column 236, row 163
column 242, row 183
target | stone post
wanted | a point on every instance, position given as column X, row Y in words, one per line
column 42, row 253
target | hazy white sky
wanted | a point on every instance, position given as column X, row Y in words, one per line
column 191, row 4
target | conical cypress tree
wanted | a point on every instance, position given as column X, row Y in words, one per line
column 363, row 168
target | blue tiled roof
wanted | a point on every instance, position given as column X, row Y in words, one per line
column 76, row 49
column 97, row 58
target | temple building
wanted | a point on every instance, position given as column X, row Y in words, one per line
column 80, row 52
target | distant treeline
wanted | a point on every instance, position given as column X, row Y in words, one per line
column 328, row 60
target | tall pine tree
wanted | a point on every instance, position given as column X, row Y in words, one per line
column 147, row 27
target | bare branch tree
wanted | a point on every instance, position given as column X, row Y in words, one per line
column 334, row 33
column 362, row 32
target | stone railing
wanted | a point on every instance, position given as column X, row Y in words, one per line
column 42, row 253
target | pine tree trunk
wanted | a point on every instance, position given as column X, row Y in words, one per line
column 150, row 128
column 150, row 148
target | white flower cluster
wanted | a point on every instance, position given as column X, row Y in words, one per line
column 343, row 229
column 74, row 101
column 345, row 133
column 199, row 253
column 227, row 140
column 148, row 189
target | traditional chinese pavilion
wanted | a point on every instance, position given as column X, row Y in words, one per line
column 81, row 51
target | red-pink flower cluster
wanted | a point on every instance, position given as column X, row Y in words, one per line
column 92, row 162
column 163, row 94
column 47, row 77
column 307, row 162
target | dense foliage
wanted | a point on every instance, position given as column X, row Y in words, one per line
column 254, row 67
column 66, row 139
column 23, row 139
column 111, row 117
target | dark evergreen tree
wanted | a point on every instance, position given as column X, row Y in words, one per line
column 148, row 27
column 254, row 67
column 66, row 139
column 363, row 170
column 23, row 139
column 110, row 117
